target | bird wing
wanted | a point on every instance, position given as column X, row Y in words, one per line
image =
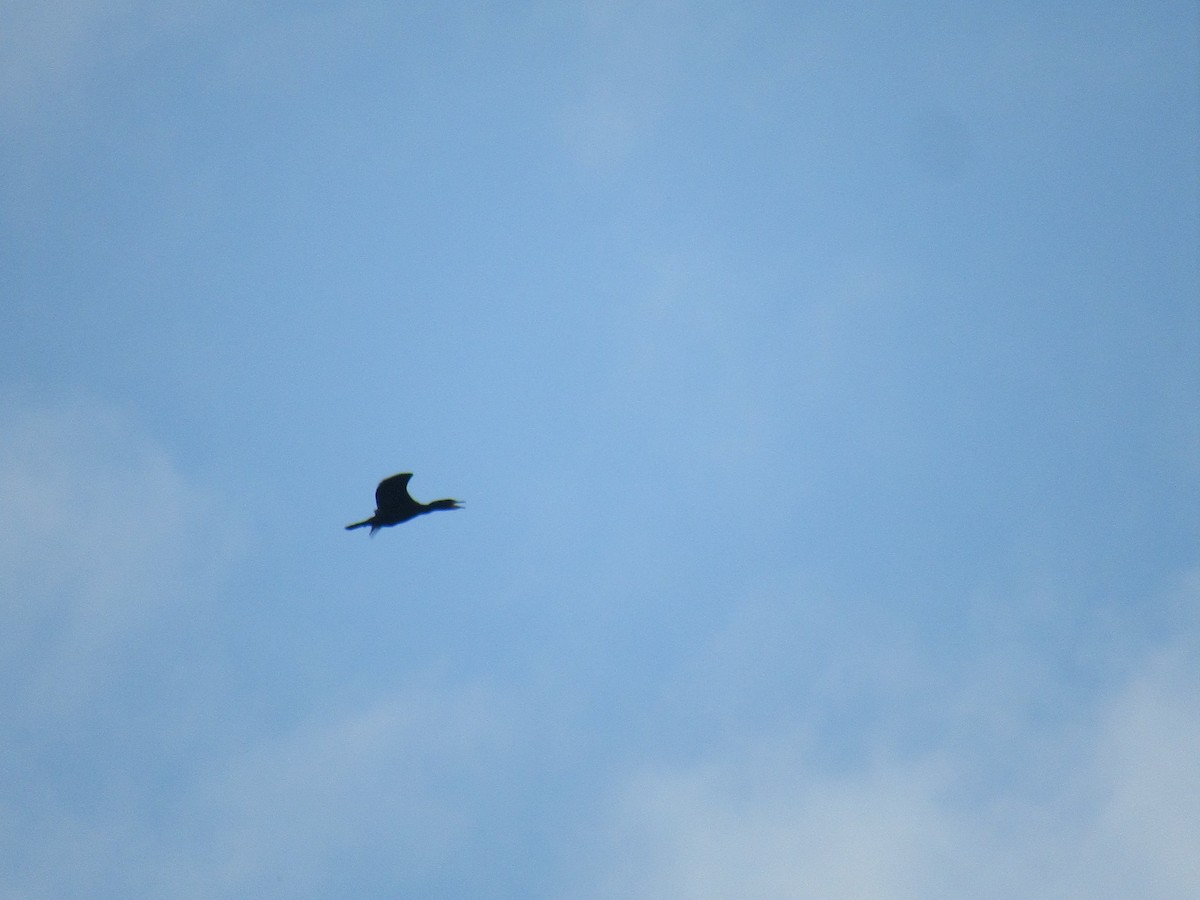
column 392, row 493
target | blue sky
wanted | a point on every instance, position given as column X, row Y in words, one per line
column 822, row 383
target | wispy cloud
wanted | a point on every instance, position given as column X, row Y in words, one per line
column 1099, row 805
column 101, row 534
column 131, row 769
column 105, row 549
column 389, row 785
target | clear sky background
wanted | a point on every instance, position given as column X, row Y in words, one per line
column 822, row 382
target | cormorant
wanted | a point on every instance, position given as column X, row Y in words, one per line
column 393, row 504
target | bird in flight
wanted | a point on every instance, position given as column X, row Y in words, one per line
column 393, row 504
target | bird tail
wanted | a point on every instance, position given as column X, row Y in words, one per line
column 362, row 524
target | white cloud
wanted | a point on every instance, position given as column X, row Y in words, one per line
column 384, row 793
column 101, row 533
column 763, row 827
column 388, row 787
column 102, row 540
column 1105, row 807
column 116, row 784
column 1147, row 765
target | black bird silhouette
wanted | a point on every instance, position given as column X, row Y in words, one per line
column 393, row 504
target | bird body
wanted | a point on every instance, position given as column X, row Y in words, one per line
column 393, row 504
